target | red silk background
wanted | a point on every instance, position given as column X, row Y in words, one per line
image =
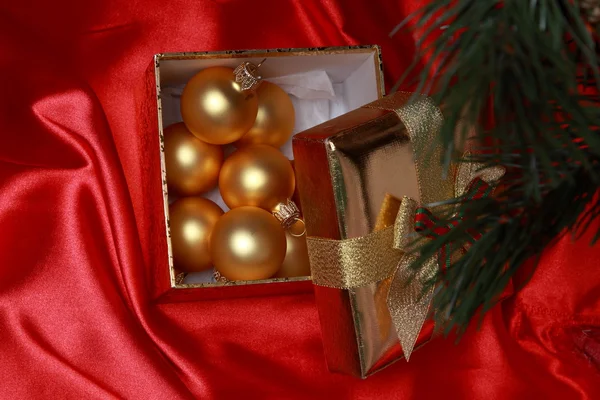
column 76, row 320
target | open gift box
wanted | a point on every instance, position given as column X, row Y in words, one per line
column 323, row 83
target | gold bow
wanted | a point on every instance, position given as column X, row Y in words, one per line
column 383, row 254
column 352, row 263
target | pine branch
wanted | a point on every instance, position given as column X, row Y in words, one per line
column 532, row 66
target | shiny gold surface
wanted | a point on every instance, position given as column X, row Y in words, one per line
column 214, row 107
column 387, row 164
column 247, row 243
column 191, row 222
column 192, row 166
column 296, row 262
column 422, row 119
column 369, row 154
column 259, row 176
column 275, row 119
column 372, row 260
column 365, row 162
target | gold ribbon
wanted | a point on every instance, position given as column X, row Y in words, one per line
column 383, row 254
column 351, row 263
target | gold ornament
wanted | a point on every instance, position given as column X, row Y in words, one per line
column 247, row 243
column 275, row 119
column 296, row 262
column 215, row 108
column 191, row 221
column 258, row 176
column 192, row 165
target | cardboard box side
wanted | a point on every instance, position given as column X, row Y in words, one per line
column 188, row 293
column 318, row 204
column 152, row 187
column 337, row 331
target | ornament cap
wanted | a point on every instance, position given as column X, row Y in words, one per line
column 287, row 213
column 246, row 74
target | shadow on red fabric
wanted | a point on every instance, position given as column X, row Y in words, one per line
column 75, row 316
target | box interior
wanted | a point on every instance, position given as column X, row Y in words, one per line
column 327, row 84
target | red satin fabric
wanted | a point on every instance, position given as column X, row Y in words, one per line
column 75, row 316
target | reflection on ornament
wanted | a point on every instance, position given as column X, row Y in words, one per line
column 192, row 166
column 247, row 243
column 275, row 119
column 191, row 221
column 215, row 108
column 296, row 262
column 257, row 176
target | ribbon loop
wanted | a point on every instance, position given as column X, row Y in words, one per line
column 403, row 227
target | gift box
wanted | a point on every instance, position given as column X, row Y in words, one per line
column 360, row 178
column 322, row 83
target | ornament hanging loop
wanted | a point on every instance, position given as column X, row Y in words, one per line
column 294, row 234
column 246, row 74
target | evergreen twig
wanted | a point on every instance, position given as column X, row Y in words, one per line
column 532, row 66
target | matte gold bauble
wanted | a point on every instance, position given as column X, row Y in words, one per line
column 247, row 243
column 191, row 222
column 275, row 119
column 296, row 262
column 192, row 165
column 258, row 175
column 215, row 108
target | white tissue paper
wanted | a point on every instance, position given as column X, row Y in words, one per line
column 310, row 85
column 200, row 277
column 316, row 99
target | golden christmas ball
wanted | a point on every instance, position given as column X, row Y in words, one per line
column 275, row 119
column 296, row 262
column 191, row 222
column 192, row 166
column 247, row 243
column 258, row 175
column 215, row 108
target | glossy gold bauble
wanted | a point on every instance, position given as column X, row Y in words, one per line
column 192, row 165
column 191, row 222
column 247, row 243
column 258, row 175
column 214, row 107
column 275, row 119
column 296, row 262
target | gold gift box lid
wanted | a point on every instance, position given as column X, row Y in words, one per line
column 345, row 169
